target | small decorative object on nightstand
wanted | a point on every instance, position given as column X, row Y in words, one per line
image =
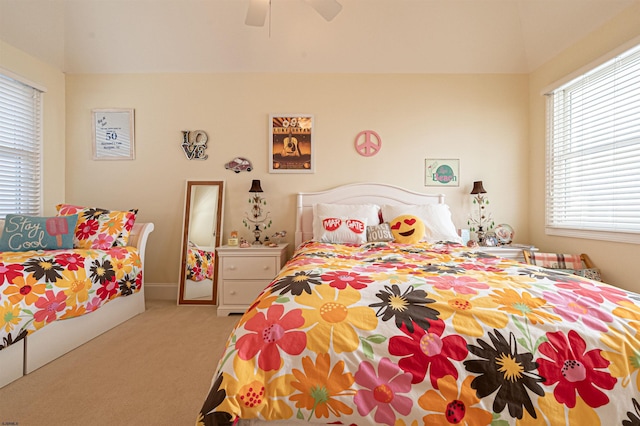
column 257, row 220
column 244, row 272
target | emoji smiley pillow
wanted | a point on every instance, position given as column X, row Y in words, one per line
column 407, row 229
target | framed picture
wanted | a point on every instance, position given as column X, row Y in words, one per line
column 113, row 134
column 441, row 172
column 291, row 143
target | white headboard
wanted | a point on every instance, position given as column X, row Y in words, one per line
column 355, row 193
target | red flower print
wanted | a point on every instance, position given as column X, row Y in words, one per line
column 424, row 350
column 341, row 279
column 87, row 229
column 70, row 261
column 574, row 369
column 594, row 291
column 118, row 252
column 270, row 334
column 139, row 280
column 10, row 272
column 50, row 304
column 66, row 210
column 108, row 289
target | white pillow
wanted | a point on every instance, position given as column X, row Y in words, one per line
column 436, row 218
column 370, row 212
column 343, row 230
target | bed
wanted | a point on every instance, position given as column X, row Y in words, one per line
column 36, row 330
column 429, row 332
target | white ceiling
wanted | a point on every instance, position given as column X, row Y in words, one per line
column 368, row 36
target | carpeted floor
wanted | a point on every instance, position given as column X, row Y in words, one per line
column 154, row 369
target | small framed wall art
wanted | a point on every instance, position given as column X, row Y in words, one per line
column 291, row 146
column 441, row 172
column 113, row 134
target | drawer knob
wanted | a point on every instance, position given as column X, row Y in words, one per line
column 232, row 268
column 233, row 293
column 266, row 268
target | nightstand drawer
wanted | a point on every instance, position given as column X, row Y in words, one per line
column 242, row 292
column 257, row 267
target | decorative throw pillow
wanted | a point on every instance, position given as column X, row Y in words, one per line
column 347, row 230
column 99, row 228
column 370, row 212
column 407, row 229
column 438, row 225
column 380, row 232
column 24, row 233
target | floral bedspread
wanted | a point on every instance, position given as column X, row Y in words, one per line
column 200, row 264
column 39, row 287
column 429, row 335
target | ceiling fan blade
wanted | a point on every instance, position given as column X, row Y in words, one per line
column 329, row 9
column 257, row 13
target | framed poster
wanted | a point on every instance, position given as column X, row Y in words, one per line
column 113, row 134
column 441, row 172
column 291, row 143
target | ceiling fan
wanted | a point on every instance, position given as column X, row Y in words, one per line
column 257, row 12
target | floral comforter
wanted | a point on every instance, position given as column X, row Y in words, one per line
column 429, row 335
column 39, row 287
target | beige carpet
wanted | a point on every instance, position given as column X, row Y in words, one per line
column 154, row 369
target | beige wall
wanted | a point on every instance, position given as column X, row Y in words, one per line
column 618, row 261
column 53, row 126
column 493, row 123
column 480, row 119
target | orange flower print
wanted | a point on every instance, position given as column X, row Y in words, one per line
column 319, row 386
column 453, row 406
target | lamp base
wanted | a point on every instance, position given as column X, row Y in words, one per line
column 256, row 233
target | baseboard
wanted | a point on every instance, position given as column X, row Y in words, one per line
column 161, row 291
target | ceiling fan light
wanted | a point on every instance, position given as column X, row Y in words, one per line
column 257, row 12
column 328, row 9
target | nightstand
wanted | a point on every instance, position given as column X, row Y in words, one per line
column 244, row 272
column 510, row 251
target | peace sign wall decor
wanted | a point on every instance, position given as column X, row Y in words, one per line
column 291, row 147
column 368, row 143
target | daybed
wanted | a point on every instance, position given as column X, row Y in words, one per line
column 52, row 301
column 376, row 331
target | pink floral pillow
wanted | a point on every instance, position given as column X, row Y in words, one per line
column 99, row 228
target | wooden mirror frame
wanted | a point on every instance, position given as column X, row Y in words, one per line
column 191, row 184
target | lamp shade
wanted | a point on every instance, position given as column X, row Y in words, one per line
column 255, row 186
column 478, row 188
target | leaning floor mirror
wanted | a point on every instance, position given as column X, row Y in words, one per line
column 200, row 237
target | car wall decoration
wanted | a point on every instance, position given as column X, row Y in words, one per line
column 194, row 144
column 239, row 164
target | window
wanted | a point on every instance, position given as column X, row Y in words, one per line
column 593, row 153
column 20, row 147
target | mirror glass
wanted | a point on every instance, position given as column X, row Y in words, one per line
column 200, row 237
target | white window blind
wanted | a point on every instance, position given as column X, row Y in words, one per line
column 20, row 148
column 593, row 153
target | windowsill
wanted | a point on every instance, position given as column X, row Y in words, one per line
column 619, row 237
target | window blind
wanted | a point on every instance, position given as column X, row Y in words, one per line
column 593, row 151
column 20, row 147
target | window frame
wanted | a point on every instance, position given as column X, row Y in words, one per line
column 580, row 231
column 35, row 206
